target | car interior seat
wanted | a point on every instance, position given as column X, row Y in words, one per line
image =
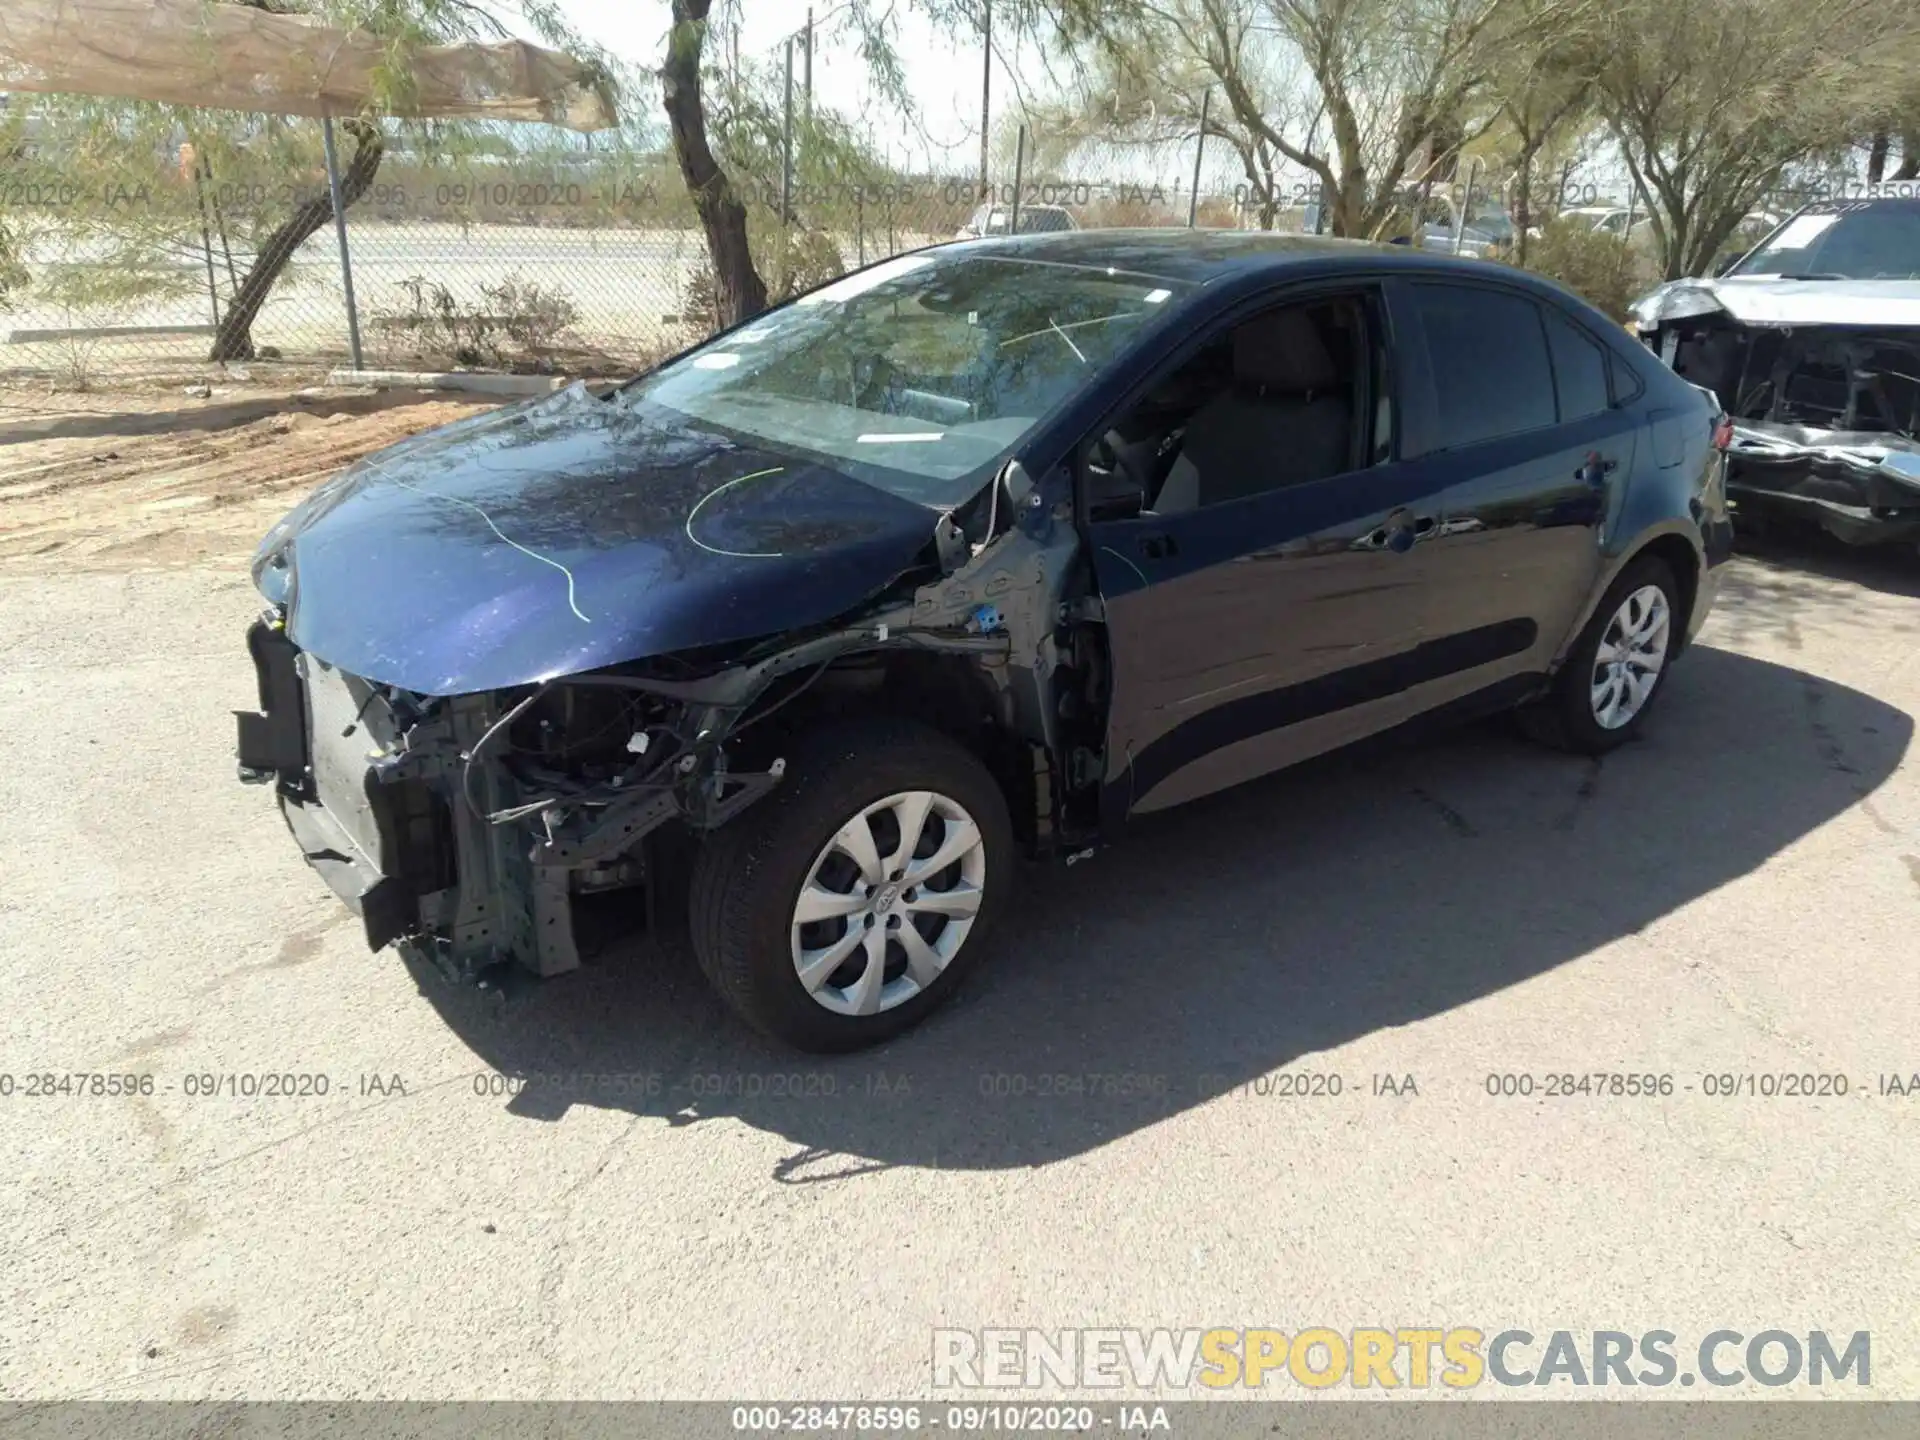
column 1286, row 418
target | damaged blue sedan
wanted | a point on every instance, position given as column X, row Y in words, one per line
column 971, row 554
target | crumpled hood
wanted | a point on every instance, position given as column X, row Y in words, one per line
column 570, row 533
column 1883, row 304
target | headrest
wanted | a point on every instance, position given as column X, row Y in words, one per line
column 1283, row 351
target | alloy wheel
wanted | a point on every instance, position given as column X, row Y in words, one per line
column 888, row 902
column 1632, row 653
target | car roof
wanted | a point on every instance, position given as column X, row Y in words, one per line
column 1203, row 256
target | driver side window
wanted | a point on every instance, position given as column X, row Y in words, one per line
column 1290, row 396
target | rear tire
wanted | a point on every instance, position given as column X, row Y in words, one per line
column 1617, row 668
column 853, row 974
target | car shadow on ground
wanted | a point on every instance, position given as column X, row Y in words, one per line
column 1783, row 547
column 1787, row 573
column 1221, row 941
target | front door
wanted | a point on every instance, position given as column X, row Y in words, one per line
column 1268, row 603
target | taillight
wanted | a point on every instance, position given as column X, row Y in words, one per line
column 1723, row 432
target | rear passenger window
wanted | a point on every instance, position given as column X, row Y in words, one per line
column 1489, row 360
column 1579, row 368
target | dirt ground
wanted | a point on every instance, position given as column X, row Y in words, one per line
column 157, row 478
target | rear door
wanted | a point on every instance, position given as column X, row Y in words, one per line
column 1534, row 456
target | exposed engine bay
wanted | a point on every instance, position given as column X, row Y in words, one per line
column 465, row 827
column 1818, row 378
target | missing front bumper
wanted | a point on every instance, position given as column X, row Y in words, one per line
column 381, row 847
column 386, row 805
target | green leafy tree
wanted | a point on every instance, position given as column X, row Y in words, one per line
column 1714, row 102
column 1366, row 97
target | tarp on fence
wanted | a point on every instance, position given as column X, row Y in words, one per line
column 234, row 57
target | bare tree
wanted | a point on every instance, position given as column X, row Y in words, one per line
column 1399, row 81
column 1150, row 82
column 1909, row 168
column 1902, row 119
column 1544, row 87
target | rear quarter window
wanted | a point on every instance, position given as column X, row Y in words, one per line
column 1579, row 368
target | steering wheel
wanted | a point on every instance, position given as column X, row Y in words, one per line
column 1111, row 481
column 1109, row 458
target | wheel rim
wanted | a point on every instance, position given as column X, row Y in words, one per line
column 1632, row 653
column 888, row 902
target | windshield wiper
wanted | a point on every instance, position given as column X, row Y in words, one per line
column 1814, row 275
column 1077, row 352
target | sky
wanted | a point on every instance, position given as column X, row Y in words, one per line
column 942, row 71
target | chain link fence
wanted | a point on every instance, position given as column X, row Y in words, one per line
column 157, row 263
column 160, row 259
column 127, row 256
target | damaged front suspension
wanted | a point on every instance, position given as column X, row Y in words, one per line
column 518, row 837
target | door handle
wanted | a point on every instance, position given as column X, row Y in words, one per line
column 1158, row 546
column 1597, row 468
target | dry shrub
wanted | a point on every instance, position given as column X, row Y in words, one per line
column 1607, row 272
column 518, row 324
column 810, row 260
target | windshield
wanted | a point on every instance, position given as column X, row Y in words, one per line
column 1494, row 223
column 918, row 374
column 1864, row 240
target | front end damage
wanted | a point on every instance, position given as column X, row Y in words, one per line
column 1824, row 397
column 466, row 828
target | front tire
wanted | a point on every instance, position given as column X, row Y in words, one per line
column 849, row 903
column 1618, row 666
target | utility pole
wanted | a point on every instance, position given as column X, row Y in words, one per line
column 808, row 78
column 786, row 144
column 986, row 87
column 1199, row 150
column 340, row 235
column 1019, row 178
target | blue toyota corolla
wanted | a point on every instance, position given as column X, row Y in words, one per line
column 977, row 551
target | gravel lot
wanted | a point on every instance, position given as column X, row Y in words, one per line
column 1737, row 893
